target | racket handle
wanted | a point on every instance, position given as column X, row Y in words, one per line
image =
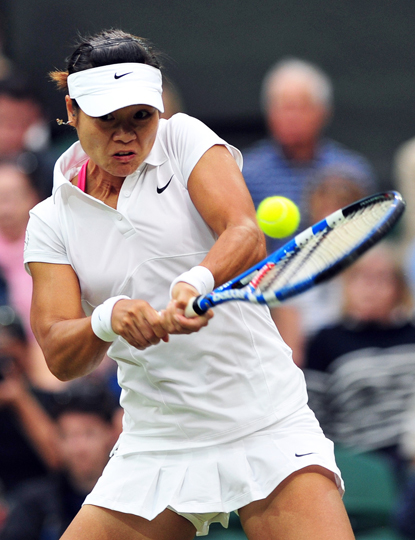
column 193, row 309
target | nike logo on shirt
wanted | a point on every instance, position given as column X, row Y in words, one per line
column 161, row 189
column 123, row 75
column 302, row 455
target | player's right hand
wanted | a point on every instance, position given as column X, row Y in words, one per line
column 138, row 323
column 173, row 319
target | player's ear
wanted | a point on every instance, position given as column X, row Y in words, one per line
column 70, row 109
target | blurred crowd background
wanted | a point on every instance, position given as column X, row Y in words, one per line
column 218, row 53
column 320, row 98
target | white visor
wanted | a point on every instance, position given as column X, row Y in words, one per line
column 101, row 90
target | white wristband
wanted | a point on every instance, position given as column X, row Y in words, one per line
column 199, row 277
column 101, row 318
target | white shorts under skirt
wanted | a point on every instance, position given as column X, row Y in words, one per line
column 205, row 484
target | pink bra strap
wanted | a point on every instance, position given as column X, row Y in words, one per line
column 82, row 177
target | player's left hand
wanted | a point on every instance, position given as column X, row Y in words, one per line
column 173, row 319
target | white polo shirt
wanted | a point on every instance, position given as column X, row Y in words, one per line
column 230, row 379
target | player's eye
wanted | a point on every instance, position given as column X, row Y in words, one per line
column 142, row 114
column 106, row 117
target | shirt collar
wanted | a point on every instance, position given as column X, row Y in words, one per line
column 68, row 166
column 158, row 154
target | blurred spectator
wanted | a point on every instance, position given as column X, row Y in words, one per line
column 366, row 362
column 408, row 253
column 6, row 65
column 106, row 375
column 334, row 187
column 404, row 177
column 42, row 509
column 17, row 196
column 27, row 432
column 25, row 132
column 298, row 319
column 405, row 184
column 22, row 121
column 297, row 103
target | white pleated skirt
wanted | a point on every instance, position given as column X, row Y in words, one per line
column 206, row 484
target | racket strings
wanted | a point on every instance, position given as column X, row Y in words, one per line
column 320, row 251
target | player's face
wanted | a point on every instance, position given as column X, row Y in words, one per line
column 120, row 141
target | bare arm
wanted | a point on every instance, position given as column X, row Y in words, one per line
column 218, row 190
column 70, row 347
column 65, row 334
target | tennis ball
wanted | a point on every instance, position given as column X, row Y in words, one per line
column 278, row 216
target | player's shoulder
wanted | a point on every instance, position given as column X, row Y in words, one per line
column 44, row 207
column 180, row 122
column 183, row 131
column 46, row 211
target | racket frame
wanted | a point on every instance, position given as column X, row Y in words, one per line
column 242, row 288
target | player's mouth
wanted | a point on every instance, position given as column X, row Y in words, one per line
column 124, row 156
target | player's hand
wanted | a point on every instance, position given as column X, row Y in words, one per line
column 173, row 319
column 138, row 323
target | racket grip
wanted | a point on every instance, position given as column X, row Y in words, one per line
column 193, row 309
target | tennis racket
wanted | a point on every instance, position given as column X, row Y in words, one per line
column 313, row 256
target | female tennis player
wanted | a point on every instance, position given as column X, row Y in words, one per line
column 145, row 214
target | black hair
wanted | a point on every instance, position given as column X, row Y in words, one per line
column 111, row 47
column 103, row 49
column 88, row 396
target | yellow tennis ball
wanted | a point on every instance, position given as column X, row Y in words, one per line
column 278, row 216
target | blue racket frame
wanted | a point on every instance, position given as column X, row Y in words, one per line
column 240, row 288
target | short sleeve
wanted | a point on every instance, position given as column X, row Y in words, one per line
column 44, row 242
column 188, row 139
